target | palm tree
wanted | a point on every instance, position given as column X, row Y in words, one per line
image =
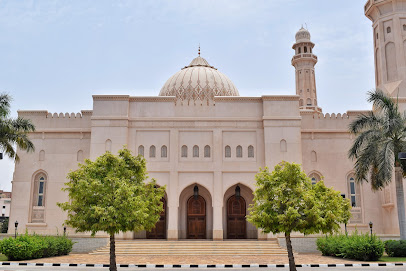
column 380, row 136
column 13, row 131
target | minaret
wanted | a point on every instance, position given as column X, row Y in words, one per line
column 389, row 29
column 304, row 61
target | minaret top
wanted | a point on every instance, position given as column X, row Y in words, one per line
column 303, row 35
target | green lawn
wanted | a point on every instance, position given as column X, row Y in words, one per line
column 392, row 259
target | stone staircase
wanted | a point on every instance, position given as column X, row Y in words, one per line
column 194, row 247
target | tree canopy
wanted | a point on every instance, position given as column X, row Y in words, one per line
column 285, row 201
column 13, row 131
column 110, row 195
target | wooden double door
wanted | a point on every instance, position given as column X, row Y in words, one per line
column 196, row 218
column 159, row 232
column 236, row 223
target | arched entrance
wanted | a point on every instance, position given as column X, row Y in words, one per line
column 236, row 224
column 159, row 232
column 196, row 217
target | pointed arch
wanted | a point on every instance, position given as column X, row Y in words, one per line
column 227, row 151
column 164, row 151
column 207, row 151
column 283, row 146
column 250, row 151
column 79, row 156
column 141, row 150
column 195, row 151
column 315, row 177
column 108, row 145
column 313, row 156
column 238, row 151
column 183, row 151
column 41, row 155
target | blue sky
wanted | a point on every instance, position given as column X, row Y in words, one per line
column 55, row 54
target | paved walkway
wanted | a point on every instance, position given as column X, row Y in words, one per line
column 104, row 259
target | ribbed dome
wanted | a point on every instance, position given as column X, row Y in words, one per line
column 303, row 35
column 198, row 82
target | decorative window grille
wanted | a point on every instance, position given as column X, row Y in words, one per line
column 141, row 150
column 228, row 151
column 250, row 151
column 239, row 151
column 184, row 151
column 207, row 151
column 152, row 150
column 195, row 151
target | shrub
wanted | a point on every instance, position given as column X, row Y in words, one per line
column 395, row 248
column 26, row 247
column 355, row 246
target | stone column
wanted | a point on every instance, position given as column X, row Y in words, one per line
column 217, row 206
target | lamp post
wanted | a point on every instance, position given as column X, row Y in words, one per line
column 238, row 192
column 345, row 224
column 370, row 226
column 15, row 233
column 64, row 230
column 196, row 192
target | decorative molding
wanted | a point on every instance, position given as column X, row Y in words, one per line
column 111, row 97
column 280, row 98
column 153, row 99
column 282, row 118
column 237, row 98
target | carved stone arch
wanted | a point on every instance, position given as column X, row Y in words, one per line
column 246, row 193
column 185, row 196
column 353, row 192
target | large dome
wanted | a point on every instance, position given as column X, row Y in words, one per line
column 198, row 82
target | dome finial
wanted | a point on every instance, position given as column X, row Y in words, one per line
column 199, row 50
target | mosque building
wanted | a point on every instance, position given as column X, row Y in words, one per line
column 205, row 142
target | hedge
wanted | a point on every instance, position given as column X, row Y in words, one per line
column 356, row 246
column 26, row 247
column 395, row 248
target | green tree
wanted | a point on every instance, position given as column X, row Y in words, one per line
column 110, row 194
column 13, row 131
column 380, row 136
column 285, row 201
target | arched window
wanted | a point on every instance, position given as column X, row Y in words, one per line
column 207, row 151
column 239, row 151
column 152, row 151
column 300, row 50
column 141, row 150
column 164, row 151
column 195, row 151
column 108, row 145
column 305, row 49
column 284, row 146
column 301, row 102
column 313, row 156
column 227, row 151
column 184, row 151
column 388, row 30
column 79, row 155
column 404, row 27
column 42, row 155
column 354, row 192
column 315, row 178
column 250, row 151
column 309, row 102
column 39, row 198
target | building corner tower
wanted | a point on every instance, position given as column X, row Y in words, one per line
column 304, row 61
column 389, row 29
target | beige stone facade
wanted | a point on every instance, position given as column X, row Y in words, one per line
column 206, row 143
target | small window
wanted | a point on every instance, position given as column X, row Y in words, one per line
column 152, row 150
column 42, row 155
column 141, row 150
column 239, row 151
column 301, row 102
column 283, row 146
column 309, row 102
column 305, row 49
column 353, row 189
column 207, row 151
column 315, row 178
column 164, row 151
column 195, row 151
column 228, row 151
column 41, row 184
column 314, row 181
column 250, row 151
column 108, row 145
column 300, row 50
column 404, row 27
column 184, row 151
column 388, row 30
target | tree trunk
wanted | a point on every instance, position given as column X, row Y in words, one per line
column 292, row 265
column 113, row 265
column 400, row 200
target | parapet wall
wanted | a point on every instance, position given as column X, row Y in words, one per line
column 44, row 120
column 336, row 122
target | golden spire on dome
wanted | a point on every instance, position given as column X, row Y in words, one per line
column 199, row 50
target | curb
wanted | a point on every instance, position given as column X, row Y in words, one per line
column 204, row 265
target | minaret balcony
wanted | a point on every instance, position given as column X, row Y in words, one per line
column 304, row 56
